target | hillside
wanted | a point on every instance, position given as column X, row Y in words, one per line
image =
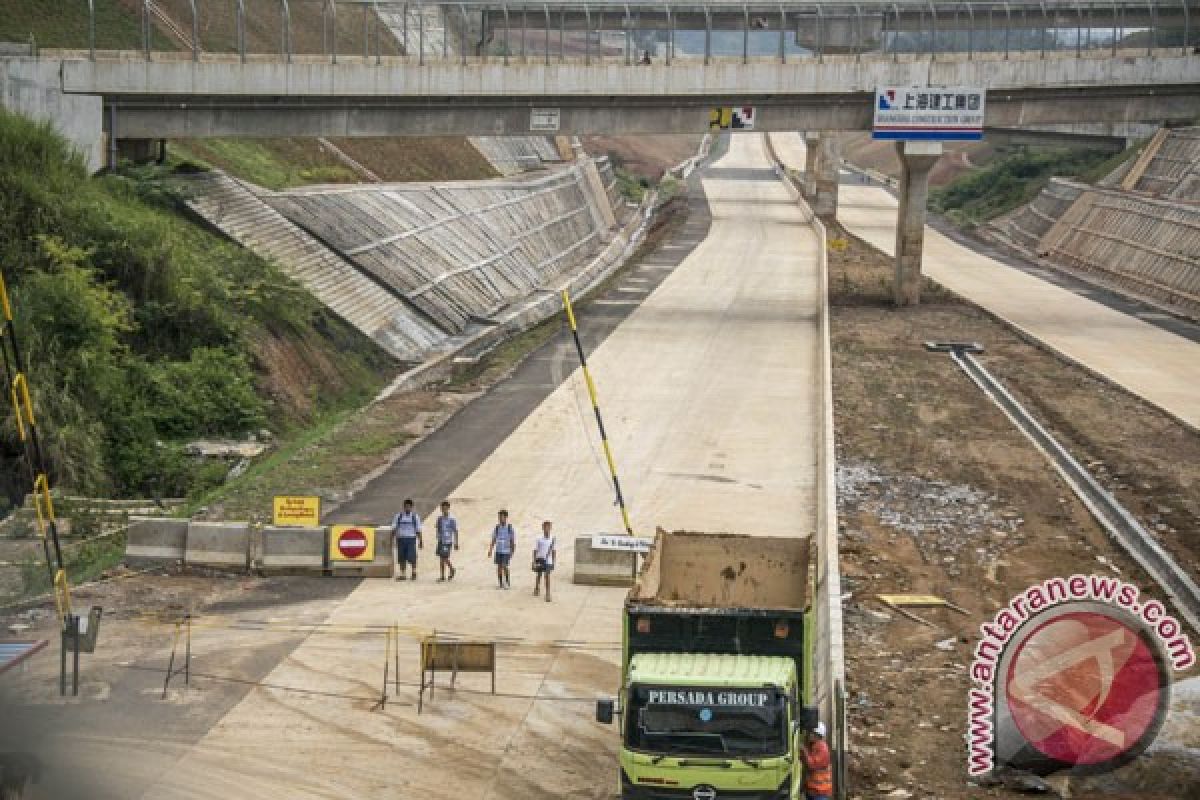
column 283, row 163
column 144, row 330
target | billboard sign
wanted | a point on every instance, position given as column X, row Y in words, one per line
column 913, row 113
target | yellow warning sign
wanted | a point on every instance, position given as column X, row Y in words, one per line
column 738, row 118
column 292, row 511
column 352, row 543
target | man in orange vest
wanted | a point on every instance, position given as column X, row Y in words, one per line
column 818, row 774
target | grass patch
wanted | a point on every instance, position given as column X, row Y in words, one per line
column 1010, row 181
column 271, row 163
column 65, row 24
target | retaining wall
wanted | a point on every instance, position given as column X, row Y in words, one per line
column 1173, row 169
column 1139, row 245
column 457, row 252
column 1024, row 227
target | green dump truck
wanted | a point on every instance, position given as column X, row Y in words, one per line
column 716, row 668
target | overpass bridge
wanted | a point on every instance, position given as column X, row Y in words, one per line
column 222, row 95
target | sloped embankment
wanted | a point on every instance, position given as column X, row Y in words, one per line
column 418, row 267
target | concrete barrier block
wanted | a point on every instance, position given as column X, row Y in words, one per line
column 382, row 567
column 293, row 550
column 154, row 540
column 218, row 544
column 601, row 567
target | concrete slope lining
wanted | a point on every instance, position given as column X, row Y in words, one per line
column 696, row 453
column 457, row 251
column 233, row 209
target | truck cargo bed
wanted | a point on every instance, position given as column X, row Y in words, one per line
column 724, row 571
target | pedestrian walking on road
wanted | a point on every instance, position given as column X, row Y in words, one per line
column 407, row 529
column 447, row 537
column 504, row 542
column 544, row 554
column 818, row 774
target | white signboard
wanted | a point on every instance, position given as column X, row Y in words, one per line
column 914, row 113
column 544, row 120
column 631, row 544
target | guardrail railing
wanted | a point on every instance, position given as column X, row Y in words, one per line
column 644, row 33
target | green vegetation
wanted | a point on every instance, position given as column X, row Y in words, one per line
column 631, row 186
column 1010, row 180
column 141, row 330
column 65, row 24
column 272, row 163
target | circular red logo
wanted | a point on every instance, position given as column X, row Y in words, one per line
column 1085, row 688
column 352, row 543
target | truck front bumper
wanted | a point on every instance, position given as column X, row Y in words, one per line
column 645, row 791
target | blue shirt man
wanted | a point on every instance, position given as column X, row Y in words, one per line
column 447, row 537
column 504, row 542
column 407, row 528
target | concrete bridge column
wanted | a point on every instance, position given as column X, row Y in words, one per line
column 812, row 146
column 916, row 160
column 829, row 161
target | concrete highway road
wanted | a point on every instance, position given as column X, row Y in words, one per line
column 1155, row 364
column 709, row 391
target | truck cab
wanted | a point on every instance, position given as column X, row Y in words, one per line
column 715, row 670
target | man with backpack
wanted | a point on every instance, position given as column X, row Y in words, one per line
column 407, row 529
column 544, row 554
column 447, row 537
column 504, row 542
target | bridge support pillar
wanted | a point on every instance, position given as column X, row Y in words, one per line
column 829, row 162
column 812, row 148
column 916, row 160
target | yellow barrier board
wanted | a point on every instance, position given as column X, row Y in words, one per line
column 352, row 543
column 297, row 511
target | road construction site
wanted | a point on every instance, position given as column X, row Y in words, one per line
column 690, row 383
column 707, row 355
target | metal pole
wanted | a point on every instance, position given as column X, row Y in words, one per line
column 1078, row 29
column 587, row 36
column 782, row 34
column 286, row 30
column 195, row 32
column 546, row 45
column 708, row 35
column 1153, row 28
column 462, row 35
column 858, row 18
column 933, row 29
column 524, row 26
column 74, row 623
column 1007, row 28
column 895, row 50
column 146, row 28
column 670, row 34
column 378, row 24
column 970, row 32
column 504, row 55
column 1045, row 25
column 1187, row 25
column 591, row 387
column 745, row 35
column 421, row 34
column 241, row 29
column 820, row 36
column 366, row 32
column 92, row 56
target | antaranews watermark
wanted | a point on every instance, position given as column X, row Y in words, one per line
column 1074, row 673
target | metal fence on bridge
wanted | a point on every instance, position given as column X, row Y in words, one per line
column 649, row 32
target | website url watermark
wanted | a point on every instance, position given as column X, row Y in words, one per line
column 1077, row 685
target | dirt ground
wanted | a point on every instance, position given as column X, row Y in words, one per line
column 939, row 494
column 645, row 156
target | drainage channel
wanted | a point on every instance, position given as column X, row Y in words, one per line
column 1179, row 587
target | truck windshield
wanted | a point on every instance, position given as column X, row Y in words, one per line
column 735, row 723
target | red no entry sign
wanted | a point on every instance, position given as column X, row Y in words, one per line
column 352, row 543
